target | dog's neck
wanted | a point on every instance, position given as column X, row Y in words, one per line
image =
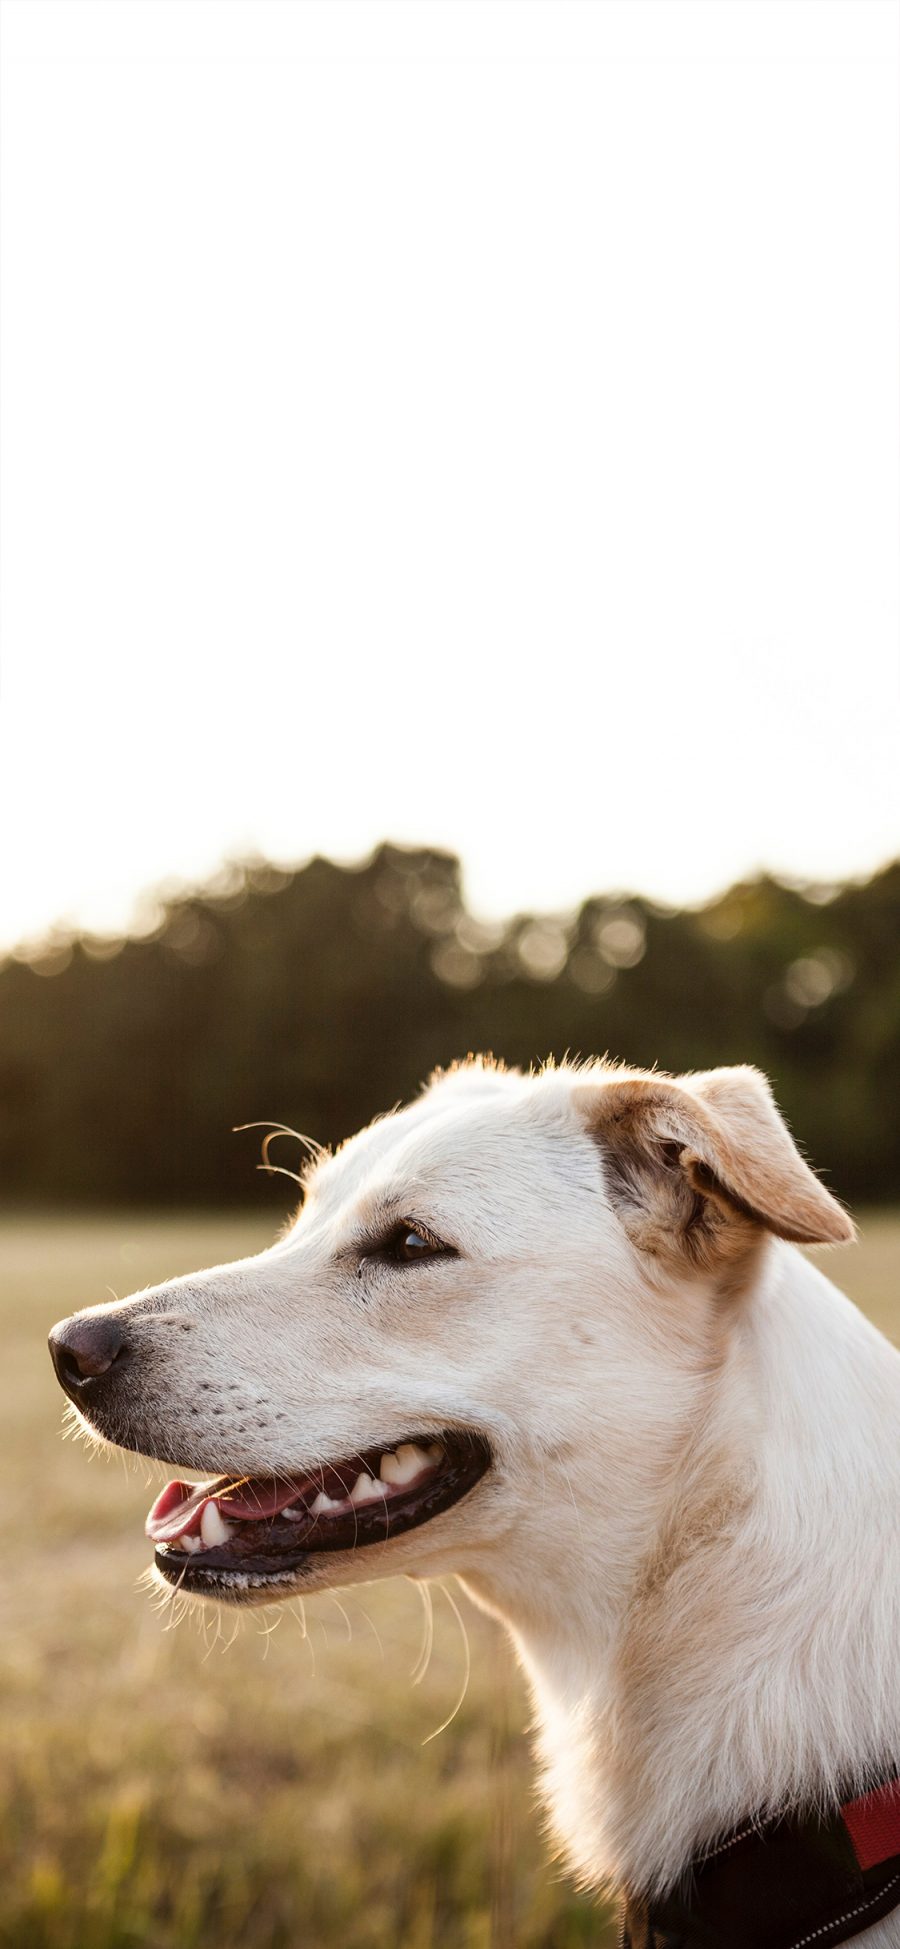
column 740, row 1654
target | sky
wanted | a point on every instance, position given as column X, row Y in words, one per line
column 468, row 423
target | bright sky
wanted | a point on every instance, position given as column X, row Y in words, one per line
column 461, row 421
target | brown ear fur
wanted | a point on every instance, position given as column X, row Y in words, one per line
column 697, row 1164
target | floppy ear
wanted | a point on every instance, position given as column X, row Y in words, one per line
column 695, row 1164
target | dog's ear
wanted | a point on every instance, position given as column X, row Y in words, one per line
column 695, row 1164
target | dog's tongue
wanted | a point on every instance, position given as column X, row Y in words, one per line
column 179, row 1510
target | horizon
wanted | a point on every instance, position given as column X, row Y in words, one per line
column 235, row 878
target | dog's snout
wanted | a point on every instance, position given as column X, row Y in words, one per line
column 83, row 1349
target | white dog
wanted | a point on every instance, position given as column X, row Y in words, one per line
column 552, row 1333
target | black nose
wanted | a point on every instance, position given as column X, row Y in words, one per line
column 84, row 1348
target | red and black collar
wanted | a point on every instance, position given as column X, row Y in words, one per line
column 804, row 1881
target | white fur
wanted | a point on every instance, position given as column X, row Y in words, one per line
column 690, row 1527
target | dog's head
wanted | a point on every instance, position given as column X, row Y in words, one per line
column 494, row 1309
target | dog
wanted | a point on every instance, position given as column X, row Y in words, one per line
column 551, row 1332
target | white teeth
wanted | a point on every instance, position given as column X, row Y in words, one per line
column 405, row 1464
column 213, row 1529
column 295, row 1515
column 190, row 1543
column 366, row 1489
column 323, row 1505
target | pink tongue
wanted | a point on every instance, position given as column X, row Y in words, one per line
column 179, row 1510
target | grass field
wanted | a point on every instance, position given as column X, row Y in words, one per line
column 172, row 1790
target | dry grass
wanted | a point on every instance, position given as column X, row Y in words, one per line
column 172, row 1790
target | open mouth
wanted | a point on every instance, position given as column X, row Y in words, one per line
column 253, row 1530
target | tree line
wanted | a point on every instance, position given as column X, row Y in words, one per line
column 321, row 996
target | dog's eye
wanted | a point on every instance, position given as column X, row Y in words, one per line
column 410, row 1244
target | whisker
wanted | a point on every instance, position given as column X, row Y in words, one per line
column 344, row 1613
column 427, row 1646
column 268, row 1625
column 275, row 1129
column 372, row 1626
column 465, row 1685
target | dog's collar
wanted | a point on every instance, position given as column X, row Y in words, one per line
column 798, row 1882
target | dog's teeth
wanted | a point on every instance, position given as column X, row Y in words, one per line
column 365, row 1489
column 323, row 1504
column 435, row 1451
column 191, row 1543
column 213, row 1529
column 296, row 1515
column 407, row 1462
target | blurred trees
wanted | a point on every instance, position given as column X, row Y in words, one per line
column 322, row 996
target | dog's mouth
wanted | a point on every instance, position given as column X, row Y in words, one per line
column 253, row 1530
